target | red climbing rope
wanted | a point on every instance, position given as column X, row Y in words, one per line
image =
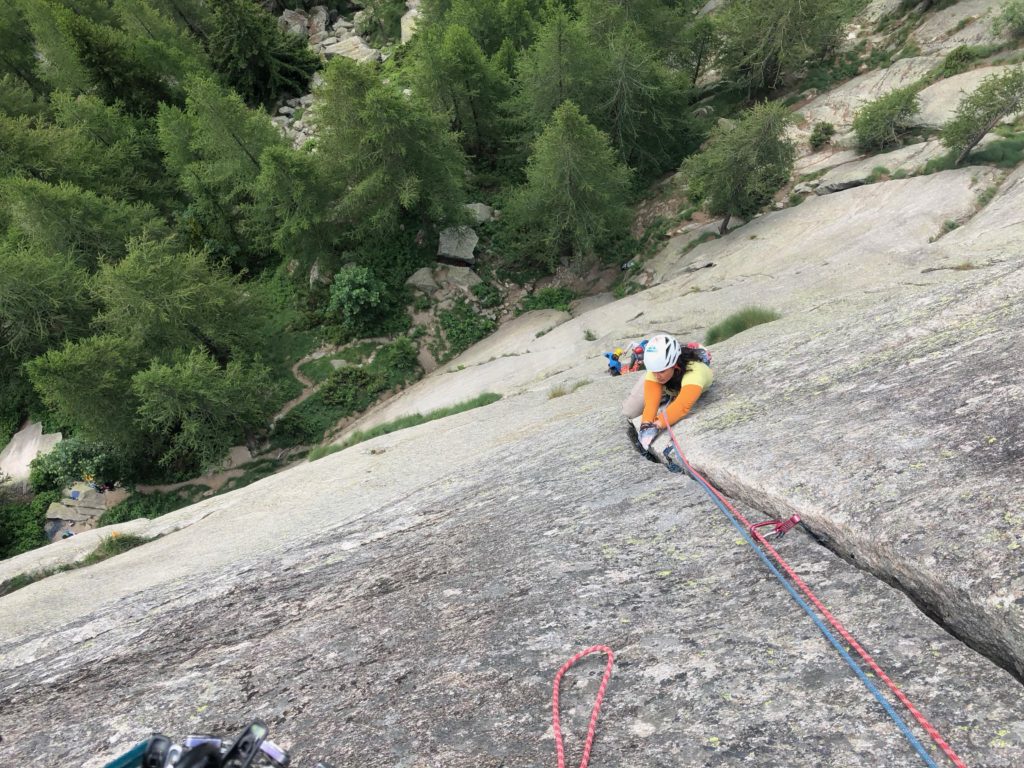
column 868, row 659
column 597, row 704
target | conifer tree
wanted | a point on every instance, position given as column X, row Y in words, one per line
column 86, row 385
column 981, row 110
column 44, row 300
column 394, row 159
column 744, row 164
column 574, row 201
column 65, row 219
column 17, row 47
column 201, row 408
column 257, row 59
column 115, row 66
column 456, row 76
column 161, row 299
column 214, row 150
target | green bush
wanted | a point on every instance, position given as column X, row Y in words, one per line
column 1010, row 18
column 821, row 135
column 351, row 389
column 306, row 423
column 738, row 322
column 463, row 327
column 357, row 299
column 72, row 460
column 488, row 296
column 396, row 363
column 958, row 60
column 552, row 297
column 22, row 523
column 882, row 122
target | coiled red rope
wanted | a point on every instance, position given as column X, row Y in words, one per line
column 557, row 725
column 868, row 659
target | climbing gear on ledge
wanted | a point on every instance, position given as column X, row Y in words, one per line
column 759, row 543
column 556, row 719
column 250, row 748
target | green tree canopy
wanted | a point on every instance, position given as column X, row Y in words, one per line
column 574, row 199
column 393, row 158
column 762, row 43
column 257, row 59
column 44, row 300
column 214, row 149
column 744, row 164
column 979, row 111
column 201, row 408
column 452, row 71
column 161, row 299
column 64, row 219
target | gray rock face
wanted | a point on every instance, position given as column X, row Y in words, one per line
column 909, row 159
column 424, row 627
column 839, row 105
column 940, row 100
column 939, row 33
column 458, row 243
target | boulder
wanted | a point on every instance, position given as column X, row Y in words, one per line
column 458, row 243
column 318, row 19
column 461, row 278
column 423, row 279
column 409, row 22
column 341, row 24
column 295, row 22
column 480, row 212
column 319, row 37
column 352, row 48
column 25, row 445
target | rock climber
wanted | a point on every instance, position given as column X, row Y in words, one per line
column 675, row 378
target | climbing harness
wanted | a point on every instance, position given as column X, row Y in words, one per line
column 556, row 720
column 759, row 543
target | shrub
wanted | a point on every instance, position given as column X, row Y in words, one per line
column 357, row 299
column 22, row 523
column 463, row 327
column 821, row 135
column 882, row 123
column 738, row 322
column 396, row 363
column 351, row 389
column 552, row 297
column 305, row 423
column 488, row 296
column 71, row 460
column 1010, row 18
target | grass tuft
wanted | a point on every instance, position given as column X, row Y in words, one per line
column 403, row 423
column 738, row 322
column 560, row 390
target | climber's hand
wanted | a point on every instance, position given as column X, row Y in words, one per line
column 647, row 432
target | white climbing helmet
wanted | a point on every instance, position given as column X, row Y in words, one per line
column 661, row 353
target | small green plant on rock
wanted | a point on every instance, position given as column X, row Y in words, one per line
column 821, row 135
column 488, row 296
column 463, row 327
column 589, row 335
